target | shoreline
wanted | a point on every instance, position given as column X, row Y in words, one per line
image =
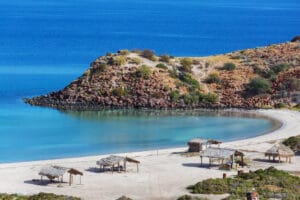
column 156, row 178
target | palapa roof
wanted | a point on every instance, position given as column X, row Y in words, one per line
column 111, row 160
column 53, row 171
column 222, row 153
column 198, row 141
column 279, row 150
column 204, row 141
column 57, row 171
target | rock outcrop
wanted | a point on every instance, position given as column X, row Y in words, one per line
column 129, row 80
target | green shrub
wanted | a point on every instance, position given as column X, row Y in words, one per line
column 229, row 66
column 119, row 92
column 101, row 67
column 149, row 54
column 293, row 143
column 191, row 98
column 124, row 52
column 280, row 105
column 39, row 196
column 143, row 72
column 209, row 98
column 240, row 185
column 297, row 106
column 164, row 58
column 188, row 197
column 280, row 68
column 174, row 95
column 187, row 78
column 213, row 78
column 119, row 60
column 161, row 66
column 258, row 85
column 186, row 64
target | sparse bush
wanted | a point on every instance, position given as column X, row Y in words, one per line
column 119, row 60
column 164, row 58
column 186, row 64
column 188, row 197
column 39, row 196
column 98, row 68
column 149, row 54
column 87, row 72
column 209, row 98
column 143, row 72
column 124, row 52
column 187, row 78
column 229, row 66
column 280, row 105
column 119, row 92
column 135, row 60
column 213, row 78
column 293, row 143
column 173, row 73
column 258, row 85
column 174, row 95
column 161, row 66
column 280, row 68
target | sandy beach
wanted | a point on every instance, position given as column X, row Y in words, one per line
column 163, row 174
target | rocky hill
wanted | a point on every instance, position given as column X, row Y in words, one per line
column 254, row 78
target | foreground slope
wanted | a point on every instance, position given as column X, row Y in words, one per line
column 253, row 78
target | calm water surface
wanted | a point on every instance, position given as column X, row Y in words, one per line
column 46, row 44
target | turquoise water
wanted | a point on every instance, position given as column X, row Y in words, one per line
column 46, row 44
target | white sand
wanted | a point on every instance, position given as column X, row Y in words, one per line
column 162, row 176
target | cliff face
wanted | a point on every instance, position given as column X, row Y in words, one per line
column 253, row 78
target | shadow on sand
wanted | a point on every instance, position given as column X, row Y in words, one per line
column 43, row 182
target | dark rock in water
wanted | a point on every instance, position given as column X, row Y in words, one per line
column 296, row 39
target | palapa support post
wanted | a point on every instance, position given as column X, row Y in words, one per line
column 70, row 179
column 201, row 160
column 137, row 167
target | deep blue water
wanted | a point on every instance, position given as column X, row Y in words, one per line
column 46, row 44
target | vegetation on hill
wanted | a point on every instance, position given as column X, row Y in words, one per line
column 293, row 143
column 267, row 77
column 269, row 183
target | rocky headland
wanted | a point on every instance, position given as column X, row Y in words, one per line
column 263, row 77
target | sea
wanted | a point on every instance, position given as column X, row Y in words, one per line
column 46, row 44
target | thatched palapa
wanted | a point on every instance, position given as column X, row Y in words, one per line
column 221, row 154
column 280, row 151
column 116, row 161
column 197, row 144
column 52, row 172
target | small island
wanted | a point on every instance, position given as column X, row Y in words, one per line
column 266, row 77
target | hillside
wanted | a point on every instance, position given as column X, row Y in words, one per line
column 254, row 78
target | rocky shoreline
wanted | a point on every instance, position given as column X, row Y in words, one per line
column 140, row 79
